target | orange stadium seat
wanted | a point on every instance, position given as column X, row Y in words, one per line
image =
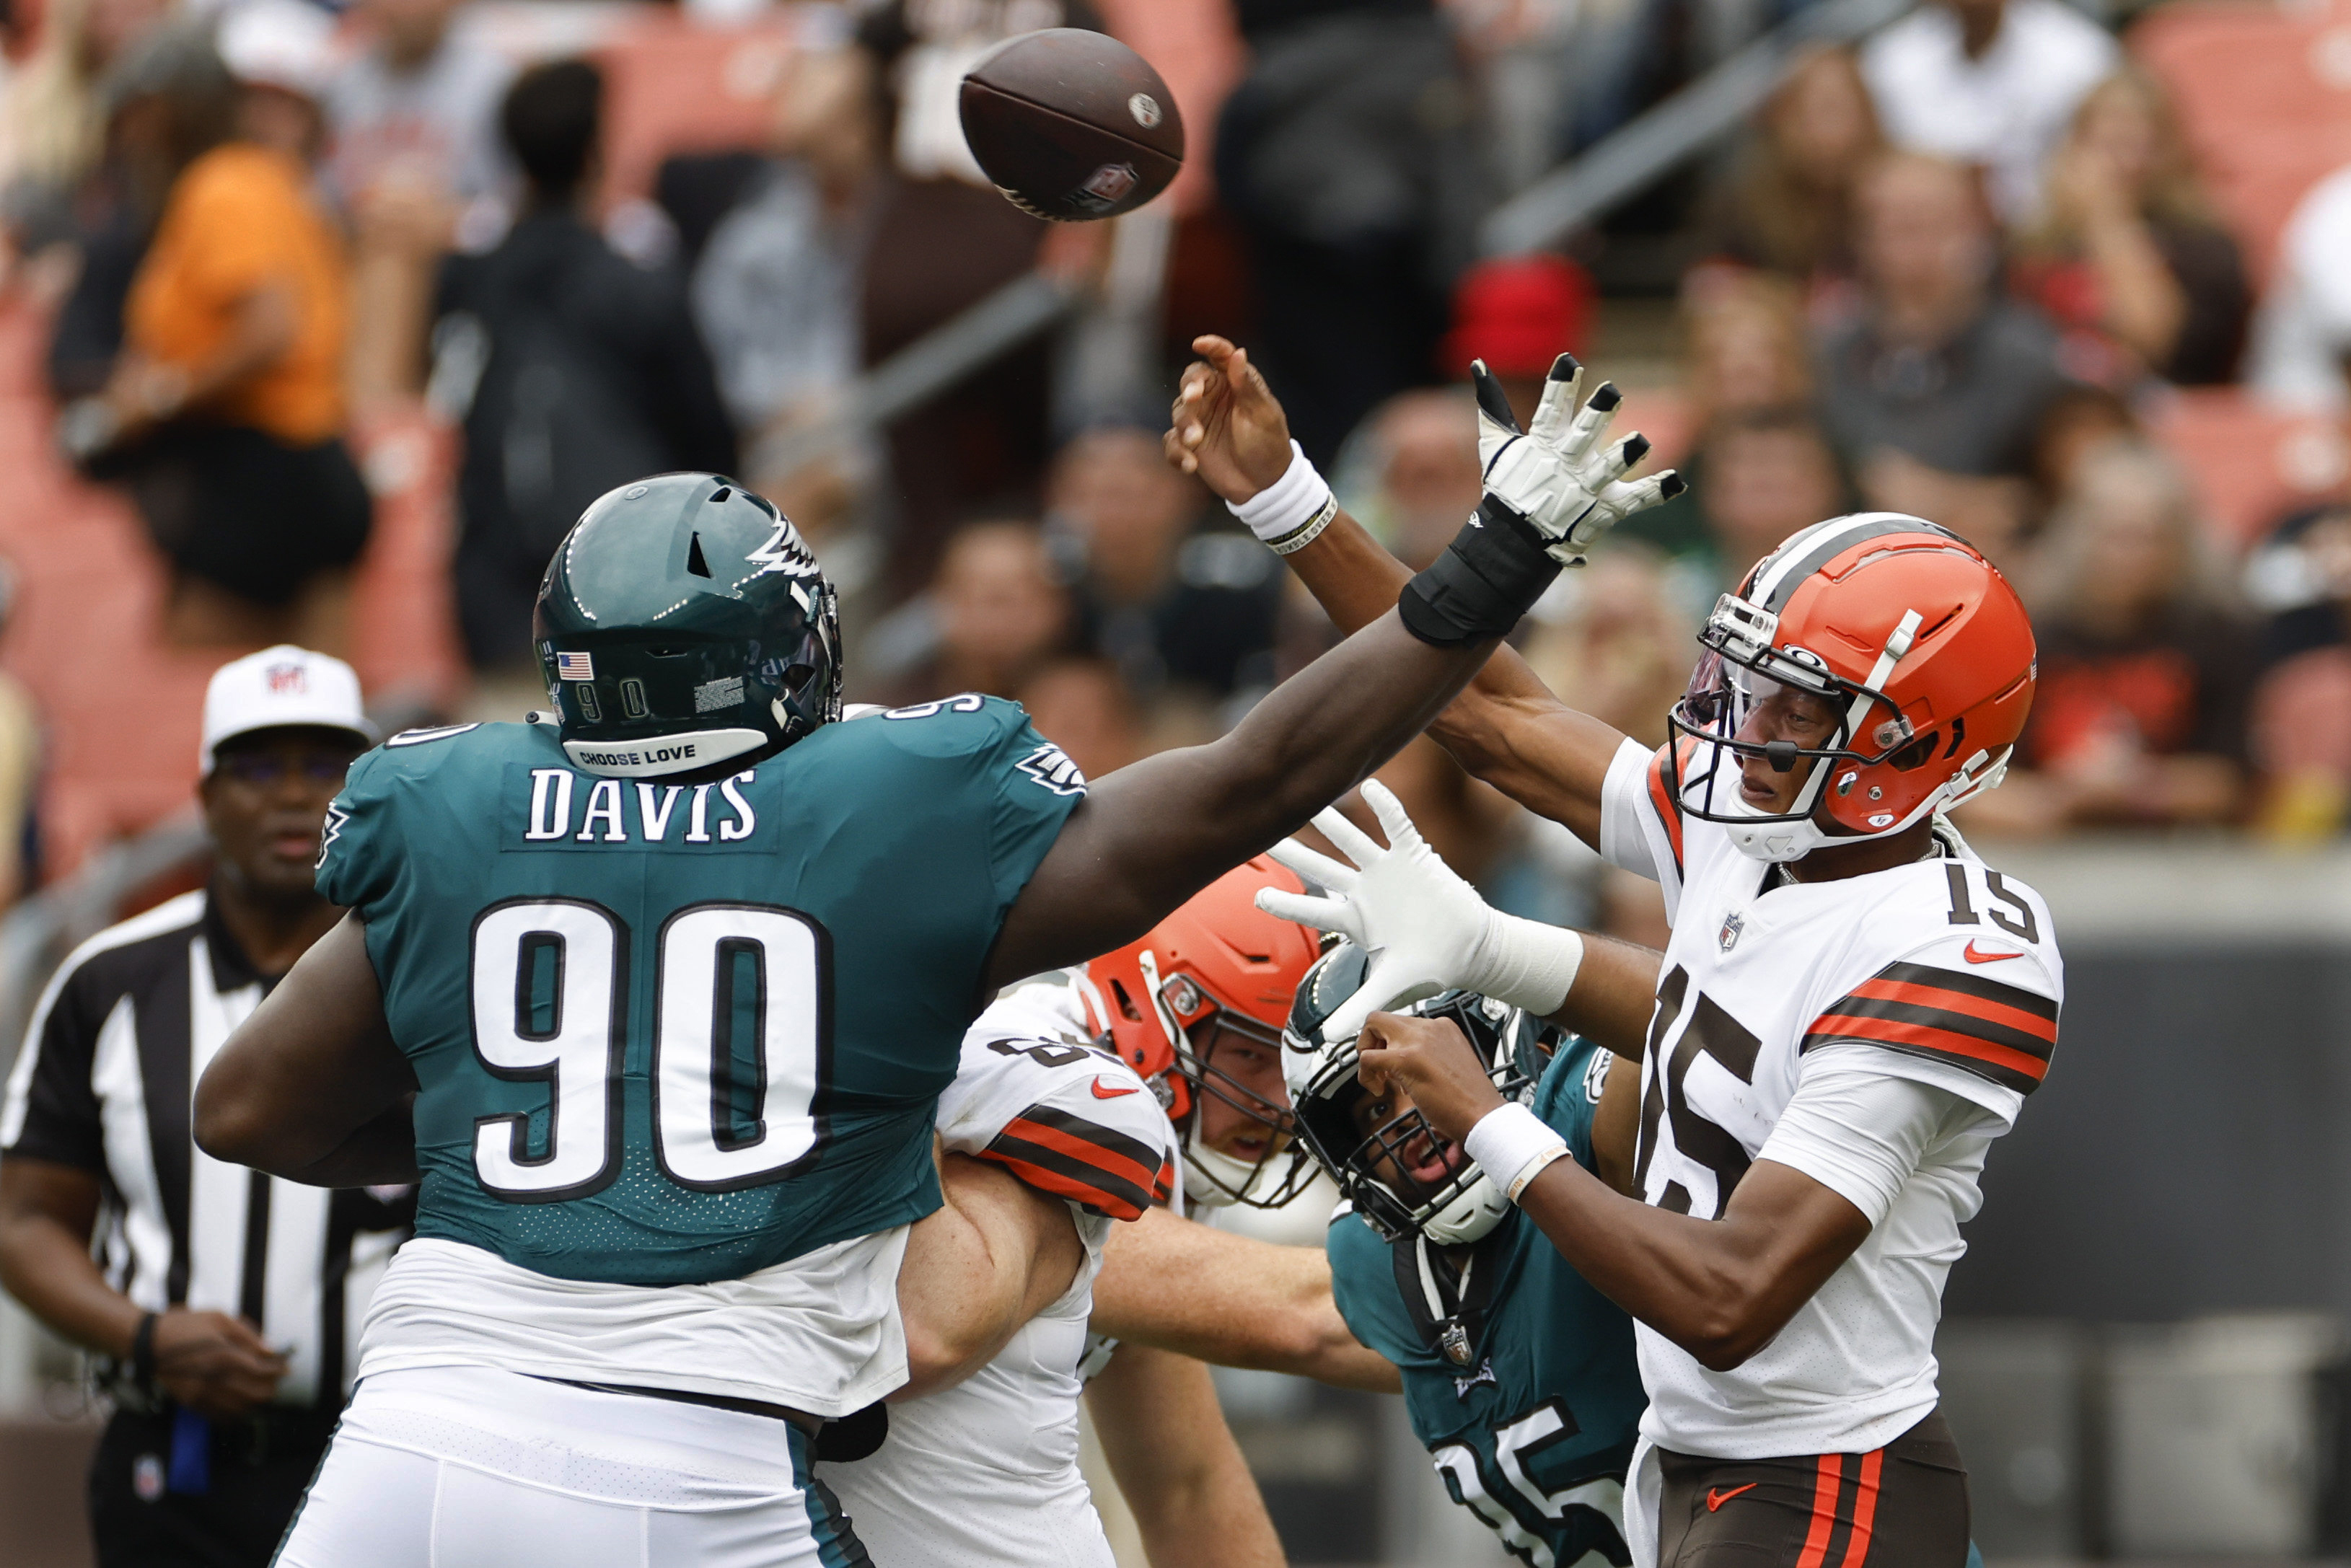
column 672, row 86
column 2249, row 462
column 119, row 710
column 2264, row 97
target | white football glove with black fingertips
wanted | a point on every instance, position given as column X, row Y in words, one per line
column 1558, row 474
column 1424, row 928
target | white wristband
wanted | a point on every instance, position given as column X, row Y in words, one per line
column 1527, row 964
column 1511, row 1145
column 1291, row 504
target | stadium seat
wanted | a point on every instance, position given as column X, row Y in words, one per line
column 2264, row 97
column 2250, row 463
column 672, row 86
column 120, row 710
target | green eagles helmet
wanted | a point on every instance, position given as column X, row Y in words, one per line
column 684, row 622
column 1456, row 1203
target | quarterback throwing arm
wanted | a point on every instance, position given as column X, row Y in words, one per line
column 1852, row 1008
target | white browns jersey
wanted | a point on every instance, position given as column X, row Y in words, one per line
column 1942, row 972
column 986, row 1472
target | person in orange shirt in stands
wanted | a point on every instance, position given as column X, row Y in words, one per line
column 224, row 416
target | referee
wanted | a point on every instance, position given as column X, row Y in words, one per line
column 225, row 1302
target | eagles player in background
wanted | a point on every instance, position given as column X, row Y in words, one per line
column 1854, row 1005
column 658, row 999
column 1519, row 1378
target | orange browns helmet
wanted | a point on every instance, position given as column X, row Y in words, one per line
column 1213, row 978
column 1918, row 641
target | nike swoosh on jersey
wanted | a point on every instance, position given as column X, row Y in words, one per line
column 1105, row 1091
column 1716, row 1497
column 1975, row 955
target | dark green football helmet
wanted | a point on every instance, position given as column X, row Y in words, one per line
column 683, row 623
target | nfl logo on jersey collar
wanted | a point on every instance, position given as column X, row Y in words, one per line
column 1732, row 924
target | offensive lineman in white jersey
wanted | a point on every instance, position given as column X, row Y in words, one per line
column 1122, row 1085
column 987, row 1471
column 1852, row 1008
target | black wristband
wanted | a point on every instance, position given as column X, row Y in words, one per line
column 1488, row 577
column 142, row 1353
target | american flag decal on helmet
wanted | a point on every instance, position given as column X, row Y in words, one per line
column 575, row 666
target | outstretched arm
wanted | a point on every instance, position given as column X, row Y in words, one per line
column 1507, row 728
column 1230, row 1300
column 1148, row 836
column 1151, row 835
column 311, row 1087
column 1428, row 931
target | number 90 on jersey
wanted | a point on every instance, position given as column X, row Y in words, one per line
column 739, row 1047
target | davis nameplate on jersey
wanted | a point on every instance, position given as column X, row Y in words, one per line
column 557, row 809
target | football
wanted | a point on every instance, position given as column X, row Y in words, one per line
column 1072, row 125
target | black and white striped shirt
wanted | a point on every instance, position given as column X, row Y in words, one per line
column 106, row 1083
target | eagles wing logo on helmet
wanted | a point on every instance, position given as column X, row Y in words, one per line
column 656, row 663
column 784, row 552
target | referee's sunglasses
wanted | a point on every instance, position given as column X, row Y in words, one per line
column 263, row 768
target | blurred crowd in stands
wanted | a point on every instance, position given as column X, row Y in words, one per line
column 1957, row 270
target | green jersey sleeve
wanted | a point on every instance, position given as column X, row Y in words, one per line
column 361, row 853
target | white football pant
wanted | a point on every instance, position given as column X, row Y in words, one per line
column 466, row 1467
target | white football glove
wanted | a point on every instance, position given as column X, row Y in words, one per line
column 1557, row 474
column 1424, row 928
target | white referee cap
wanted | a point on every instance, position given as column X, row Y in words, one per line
column 282, row 688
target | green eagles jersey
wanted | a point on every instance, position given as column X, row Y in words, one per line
column 1520, row 1377
column 670, row 1034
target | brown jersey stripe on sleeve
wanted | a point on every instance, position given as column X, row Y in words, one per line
column 2007, row 1068
column 1084, row 1191
column 1117, row 1186
column 1982, row 988
column 1145, row 1157
column 1027, row 1130
column 1910, row 1004
column 1992, row 1015
column 1999, row 1031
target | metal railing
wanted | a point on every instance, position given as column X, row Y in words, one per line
column 1655, row 142
column 35, row 935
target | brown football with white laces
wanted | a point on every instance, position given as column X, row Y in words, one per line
column 1072, row 125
